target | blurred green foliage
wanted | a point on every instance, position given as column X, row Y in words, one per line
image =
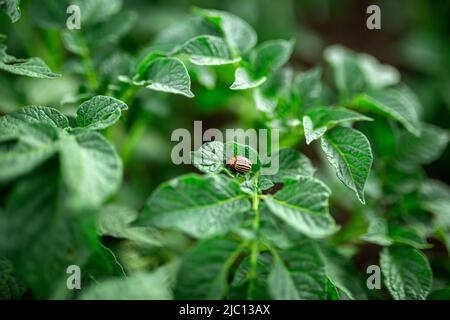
column 100, row 59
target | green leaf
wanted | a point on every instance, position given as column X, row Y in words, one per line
column 342, row 274
column 90, row 167
column 354, row 73
column 270, row 56
column 238, row 33
column 332, row 291
column 36, row 144
column 440, row 294
column 102, row 264
column 308, row 87
column 36, row 130
column 408, row 236
column 398, row 103
column 206, row 76
column 275, row 91
column 304, row 206
column 377, row 231
column 11, row 8
column 434, row 196
column 349, row 152
column 210, row 158
column 115, row 221
column 291, row 166
column 74, row 42
column 41, row 258
column 348, row 76
column 377, row 75
column 99, row 112
column 298, row 273
column 140, row 286
column 10, row 287
column 169, row 75
column 244, row 287
column 407, row 273
column 318, row 120
column 34, row 114
column 267, row 58
column 33, row 67
column 201, row 206
column 94, row 11
column 183, row 30
column 111, row 30
column 428, row 147
column 208, row 51
column 203, row 273
column 244, row 79
column 147, row 60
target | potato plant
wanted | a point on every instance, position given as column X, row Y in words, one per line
column 217, row 233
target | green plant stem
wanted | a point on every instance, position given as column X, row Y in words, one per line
column 91, row 75
column 127, row 93
column 227, row 172
column 254, row 245
column 137, row 131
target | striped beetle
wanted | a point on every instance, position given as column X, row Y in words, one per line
column 240, row 164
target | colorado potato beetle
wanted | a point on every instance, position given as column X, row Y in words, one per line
column 240, row 164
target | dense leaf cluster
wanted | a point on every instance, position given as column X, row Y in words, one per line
column 257, row 236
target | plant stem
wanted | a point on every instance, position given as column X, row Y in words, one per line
column 137, row 131
column 127, row 93
column 91, row 75
column 227, row 172
column 254, row 245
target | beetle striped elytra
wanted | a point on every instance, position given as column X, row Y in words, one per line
column 240, row 164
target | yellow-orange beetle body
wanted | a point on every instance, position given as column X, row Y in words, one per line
column 240, row 164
